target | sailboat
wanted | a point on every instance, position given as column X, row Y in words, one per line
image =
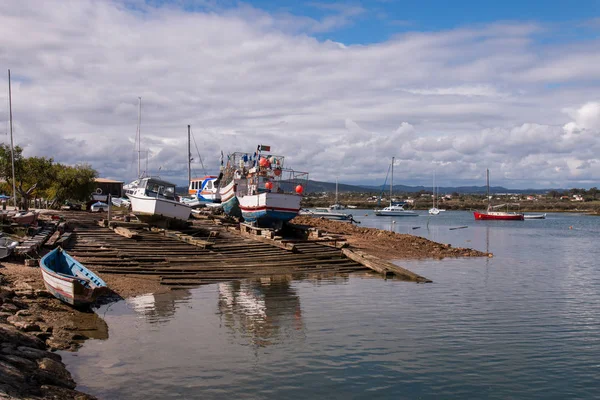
column 201, row 191
column 489, row 214
column 394, row 209
column 434, row 210
column 337, row 205
column 12, row 150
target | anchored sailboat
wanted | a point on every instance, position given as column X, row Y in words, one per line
column 394, row 209
column 489, row 214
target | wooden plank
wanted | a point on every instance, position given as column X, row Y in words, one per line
column 126, row 232
column 382, row 266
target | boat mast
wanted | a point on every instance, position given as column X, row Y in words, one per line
column 433, row 188
column 487, row 171
column 336, row 191
column 189, row 157
column 392, row 182
column 12, row 150
column 139, row 136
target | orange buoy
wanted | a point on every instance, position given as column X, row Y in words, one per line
column 277, row 171
column 269, row 185
column 263, row 162
column 299, row 189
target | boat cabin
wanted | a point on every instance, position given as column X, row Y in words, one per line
column 153, row 187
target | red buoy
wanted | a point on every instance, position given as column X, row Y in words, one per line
column 269, row 185
column 299, row 189
column 263, row 162
column 277, row 171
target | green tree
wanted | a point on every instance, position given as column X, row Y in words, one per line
column 72, row 183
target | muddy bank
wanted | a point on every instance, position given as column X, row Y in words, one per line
column 28, row 331
column 386, row 244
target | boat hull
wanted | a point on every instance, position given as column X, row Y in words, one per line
column 269, row 208
column 69, row 281
column 535, row 216
column 498, row 216
column 383, row 213
column 229, row 200
column 144, row 206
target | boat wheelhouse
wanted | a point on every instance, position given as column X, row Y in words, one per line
column 154, row 197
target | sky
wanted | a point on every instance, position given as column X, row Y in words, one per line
column 339, row 88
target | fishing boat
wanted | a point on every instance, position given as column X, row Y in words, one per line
column 7, row 246
column 258, row 187
column 156, row 198
column 535, row 216
column 204, row 190
column 490, row 214
column 326, row 213
column 68, row 280
column 395, row 209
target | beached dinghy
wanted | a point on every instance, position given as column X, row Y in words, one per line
column 70, row 281
column 7, row 246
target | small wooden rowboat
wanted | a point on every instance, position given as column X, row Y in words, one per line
column 70, row 281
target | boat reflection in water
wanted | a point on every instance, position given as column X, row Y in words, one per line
column 265, row 310
column 160, row 308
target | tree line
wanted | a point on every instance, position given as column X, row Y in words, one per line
column 42, row 178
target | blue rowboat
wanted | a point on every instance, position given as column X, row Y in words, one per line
column 70, row 281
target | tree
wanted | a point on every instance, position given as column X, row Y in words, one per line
column 75, row 183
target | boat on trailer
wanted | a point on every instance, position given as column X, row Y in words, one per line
column 68, row 280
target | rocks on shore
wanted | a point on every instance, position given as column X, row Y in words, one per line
column 27, row 369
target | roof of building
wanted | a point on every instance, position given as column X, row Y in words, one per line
column 105, row 180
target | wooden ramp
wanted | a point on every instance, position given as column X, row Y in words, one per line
column 178, row 259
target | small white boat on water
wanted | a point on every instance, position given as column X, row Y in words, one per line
column 154, row 197
column 394, row 209
column 535, row 216
column 326, row 213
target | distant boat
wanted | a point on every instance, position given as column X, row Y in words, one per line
column 489, row 214
column 326, row 213
column 434, row 210
column 337, row 205
column 154, row 197
column 68, row 280
column 394, row 209
column 535, row 216
column 7, row 246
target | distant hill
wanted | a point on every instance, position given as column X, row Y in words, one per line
column 319, row 187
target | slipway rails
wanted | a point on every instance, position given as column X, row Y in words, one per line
column 206, row 252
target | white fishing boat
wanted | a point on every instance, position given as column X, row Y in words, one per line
column 326, row 213
column 154, row 197
column 394, row 209
column 258, row 187
column 535, row 216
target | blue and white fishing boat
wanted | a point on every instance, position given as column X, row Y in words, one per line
column 258, row 187
column 68, row 280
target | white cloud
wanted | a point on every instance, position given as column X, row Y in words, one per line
column 486, row 96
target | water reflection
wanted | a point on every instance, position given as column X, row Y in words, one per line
column 161, row 307
column 265, row 310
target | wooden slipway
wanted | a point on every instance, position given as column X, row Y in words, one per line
column 206, row 253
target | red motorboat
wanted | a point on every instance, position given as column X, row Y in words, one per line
column 497, row 215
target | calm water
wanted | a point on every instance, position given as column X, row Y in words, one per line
column 524, row 324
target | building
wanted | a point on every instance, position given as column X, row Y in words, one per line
column 109, row 186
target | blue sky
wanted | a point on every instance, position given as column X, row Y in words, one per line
column 378, row 20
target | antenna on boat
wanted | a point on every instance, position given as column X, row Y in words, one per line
column 12, row 150
column 487, row 180
column 392, row 182
column 139, row 136
column 189, row 163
